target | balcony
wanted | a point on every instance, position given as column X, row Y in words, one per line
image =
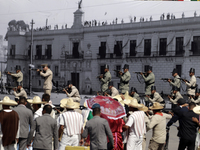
column 74, row 56
column 43, row 57
column 22, row 57
column 108, row 56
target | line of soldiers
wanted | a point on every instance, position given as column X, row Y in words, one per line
column 148, row 76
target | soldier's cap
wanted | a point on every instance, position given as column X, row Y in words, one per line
column 110, row 84
column 133, row 89
column 153, row 88
column 96, row 105
column 149, row 68
column 69, row 82
column 174, row 88
column 106, row 66
column 44, row 65
column 181, row 101
column 197, row 90
column 174, row 71
column 18, row 67
column 126, row 66
column 192, row 70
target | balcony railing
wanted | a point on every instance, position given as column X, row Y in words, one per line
column 108, row 56
column 24, row 57
column 74, row 56
column 39, row 57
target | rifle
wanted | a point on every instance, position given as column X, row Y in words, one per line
column 6, row 72
column 139, row 72
column 117, row 71
column 184, row 80
column 166, row 79
column 35, row 69
column 198, row 77
column 100, row 76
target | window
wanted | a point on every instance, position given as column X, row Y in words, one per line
column 118, row 48
column 102, row 69
column 102, row 50
column 196, row 45
column 39, row 82
column 179, row 69
column 147, row 47
column 38, row 51
column 179, row 46
column 132, row 47
column 12, row 50
column 163, row 46
column 48, row 51
column 75, row 51
column 118, row 67
column 56, row 70
column 29, row 50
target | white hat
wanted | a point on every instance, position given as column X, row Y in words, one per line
column 120, row 100
column 7, row 101
column 196, row 110
column 36, row 100
column 134, row 104
column 63, row 102
column 156, row 106
column 143, row 108
column 71, row 104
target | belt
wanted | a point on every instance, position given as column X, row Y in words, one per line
column 163, row 102
column 150, row 83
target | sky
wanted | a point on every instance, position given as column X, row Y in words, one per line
column 61, row 11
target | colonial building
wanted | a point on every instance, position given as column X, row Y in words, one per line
column 79, row 53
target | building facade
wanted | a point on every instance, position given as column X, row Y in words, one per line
column 79, row 53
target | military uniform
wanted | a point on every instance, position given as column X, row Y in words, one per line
column 149, row 82
column 48, row 75
column 157, row 98
column 105, row 80
column 191, row 86
column 177, row 82
column 136, row 96
column 124, row 82
column 114, row 92
column 19, row 77
column 74, row 94
column 22, row 93
column 177, row 97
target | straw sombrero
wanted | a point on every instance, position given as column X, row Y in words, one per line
column 121, row 101
column 63, row 102
column 143, row 108
column 127, row 96
column 35, row 100
column 71, row 104
column 134, row 104
column 196, row 110
column 156, row 106
column 7, row 101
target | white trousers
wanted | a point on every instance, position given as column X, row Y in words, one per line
column 134, row 143
column 68, row 141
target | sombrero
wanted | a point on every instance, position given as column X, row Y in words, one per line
column 196, row 110
column 143, row 108
column 63, row 102
column 156, row 106
column 71, row 104
column 121, row 101
column 7, row 101
column 134, row 104
column 35, row 100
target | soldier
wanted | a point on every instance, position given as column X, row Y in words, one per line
column 176, row 97
column 74, row 94
column 18, row 75
column 149, row 82
column 105, row 79
column 21, row 93
column 177, row 81
column 124, row 79
column 155, row 97
column 48, row 75
column 134, row 94
column 114, row 91
column 196, row 98
column 191, row 85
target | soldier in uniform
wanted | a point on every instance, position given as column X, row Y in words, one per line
column 74, row 94
column 105, row 79
column 21, row 93
column 149, row 82
column 48, row 75
column 191, row 85
column 18, row 75
column 177, row 81
column 134, row 94
column 196, row 98
column 114, row 91
column 155, row 97
column 176, row 97
column 124, row 79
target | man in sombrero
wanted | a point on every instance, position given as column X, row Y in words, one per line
column 9, row 125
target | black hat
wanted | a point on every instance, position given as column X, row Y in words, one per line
column 197, row 90
column 174, row 71
column 153, row 88
column 174, row 88
column 110, row 83
column 192, row 70
column 133, row 89
column 181, row 101
column 126, row 66
column 18, row 67
column 69, row 82
column 106, row 66
column 149, row 68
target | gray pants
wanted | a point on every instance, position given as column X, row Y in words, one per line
column 22, row 143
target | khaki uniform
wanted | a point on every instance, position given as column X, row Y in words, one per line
column 177, row 97
column 105, row 80
column 19, row 77
column 157, row 98
column 177, row 82
column 124, row 82
column 22, row 93
column 74, row 94
column 47, row 86
column 191, row 85
column 197, row 101
column 136, row 96
column 114, row 92
column 149, row 82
